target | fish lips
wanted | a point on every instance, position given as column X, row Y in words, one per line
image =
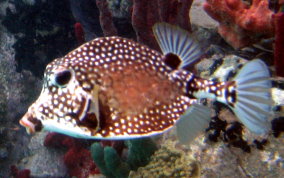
column 32, row 124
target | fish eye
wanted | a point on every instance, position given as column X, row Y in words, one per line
column 62, row 78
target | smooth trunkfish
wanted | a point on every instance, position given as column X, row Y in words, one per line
column 115, row 88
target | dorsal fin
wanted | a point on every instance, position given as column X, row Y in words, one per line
column 175, row 40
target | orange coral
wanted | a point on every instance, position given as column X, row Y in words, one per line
column 241, row 24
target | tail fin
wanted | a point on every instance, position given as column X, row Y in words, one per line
column 253, row 96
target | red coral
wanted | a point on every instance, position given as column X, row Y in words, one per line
column 279, row 44
column 79, row 162
column 241, row 24
column 77, row 159
column 79, row 33
column 146, row 13
column 16, row 173
column 57, row 140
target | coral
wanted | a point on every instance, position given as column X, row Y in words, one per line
column 79, row 33
column 79, row 162
column 138, row 157
column 146, row 13
column 77, row 159
column 111, row 163
column 279, row 43
column 169, row 162
column 56, row 140
column 106, row 18
column 241, row 24
column 16, row 173
column 108, row 161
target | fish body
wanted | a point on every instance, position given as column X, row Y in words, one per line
column 115, row 88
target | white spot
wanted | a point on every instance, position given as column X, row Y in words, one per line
column 231, row 88
column 230, row 99
column 213, row 88
column 40, row 109
column 122, row 121
column 219, row 92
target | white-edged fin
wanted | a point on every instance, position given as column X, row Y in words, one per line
column 173, row 39
column 193, row 122
column 253, row 96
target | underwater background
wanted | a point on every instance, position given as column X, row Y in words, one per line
column 35, row 32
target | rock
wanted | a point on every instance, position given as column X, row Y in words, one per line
column 199, row 17
column 43, row 161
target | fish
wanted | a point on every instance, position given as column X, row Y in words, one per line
column 116, row 88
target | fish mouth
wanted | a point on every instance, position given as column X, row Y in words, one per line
column 31, row 123
column 30, row 127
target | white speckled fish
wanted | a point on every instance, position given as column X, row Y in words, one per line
column 115, row 88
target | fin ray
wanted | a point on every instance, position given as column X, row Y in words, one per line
column 253, row 108
column 172, row 39
column 194, row 121
column 250, row 122
column 256, row 98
